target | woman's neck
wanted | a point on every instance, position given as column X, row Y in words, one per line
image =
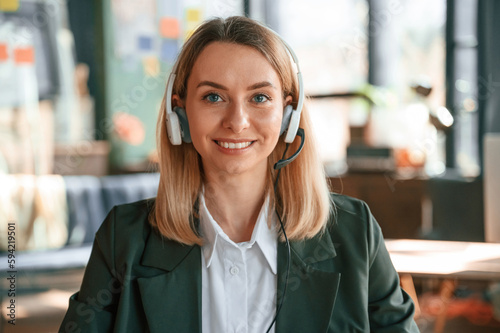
column 235, row 202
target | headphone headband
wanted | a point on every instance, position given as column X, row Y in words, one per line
column 300, row 102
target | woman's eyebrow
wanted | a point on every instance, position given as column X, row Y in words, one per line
column 262, row 84
column 220, row 86
column 211, row 84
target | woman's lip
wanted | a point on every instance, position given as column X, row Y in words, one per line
column 234, row 140
column 234, row 145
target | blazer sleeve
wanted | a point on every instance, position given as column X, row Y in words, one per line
column 390, row 308
column 92, row 308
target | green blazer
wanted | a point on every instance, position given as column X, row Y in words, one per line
column 340, row 281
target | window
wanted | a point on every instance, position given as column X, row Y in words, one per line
column 331, row 42
column 345, row 45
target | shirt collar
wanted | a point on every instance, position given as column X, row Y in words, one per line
column 266, row 238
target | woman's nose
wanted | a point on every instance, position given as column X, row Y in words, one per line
column 236, row 117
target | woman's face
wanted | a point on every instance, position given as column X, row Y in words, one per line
column 234, row 104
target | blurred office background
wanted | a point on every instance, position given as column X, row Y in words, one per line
column 403, row 95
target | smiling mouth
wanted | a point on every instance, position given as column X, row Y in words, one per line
column 234, row 145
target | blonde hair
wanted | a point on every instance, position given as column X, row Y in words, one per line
column 302, row 198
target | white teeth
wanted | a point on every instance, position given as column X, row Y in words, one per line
column 232, row 145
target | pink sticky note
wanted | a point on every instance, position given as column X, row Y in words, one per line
column 169, row 27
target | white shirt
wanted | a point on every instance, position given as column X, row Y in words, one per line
column 239, row 280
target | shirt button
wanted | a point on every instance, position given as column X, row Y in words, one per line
column 234, row 270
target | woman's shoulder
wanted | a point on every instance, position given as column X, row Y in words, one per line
column 133, row 214
column 352, row 220
column 130, row 216
column 126, row 225
column 349, row 207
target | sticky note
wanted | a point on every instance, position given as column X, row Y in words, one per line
column 9, row 5
column 169, row 49
column 24, row 55
column 4, row 55
column 169, row 27
column 130, row 63
column 151, row 66
column 145, row 43
column 193, row 15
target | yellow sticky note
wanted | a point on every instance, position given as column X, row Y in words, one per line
column 188, row 34
column 190, row 28
column 151, row 66
column 193, row 15
column 9, row 5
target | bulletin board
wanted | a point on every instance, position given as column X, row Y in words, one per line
column 141, row 42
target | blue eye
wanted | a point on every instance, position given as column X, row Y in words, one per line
column 212, row 98
column 260, row 98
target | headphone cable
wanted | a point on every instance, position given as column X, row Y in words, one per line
column 287, row 246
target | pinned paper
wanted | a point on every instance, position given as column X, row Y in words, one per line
column 130, row 63
column 4, row 55
column 24, row 55
column 151, row 66
column 193, row 19
column 169, row 27
column 9, row 5
column 169, row 49
column 193, row 15
column 145, row 43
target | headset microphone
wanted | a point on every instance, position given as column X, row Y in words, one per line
column 285, row 161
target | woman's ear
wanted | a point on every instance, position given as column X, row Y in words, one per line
column 177, row 101
column 288, row 100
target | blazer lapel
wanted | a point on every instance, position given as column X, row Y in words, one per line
column 312, row 285
column 171, row 297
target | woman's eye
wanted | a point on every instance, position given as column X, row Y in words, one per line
column 261, row 98
column 212, row 98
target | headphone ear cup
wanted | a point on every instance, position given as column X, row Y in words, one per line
column 293, row 127
column 183, row 124
column 287, row 114
column 173, row 128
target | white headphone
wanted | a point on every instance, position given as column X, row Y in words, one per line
column 177, row 122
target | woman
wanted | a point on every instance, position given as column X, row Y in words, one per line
column 223, row 248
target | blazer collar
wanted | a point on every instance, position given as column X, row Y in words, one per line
column 171, row 294
column 312, row 285
column 309, row 299
column 163, row 253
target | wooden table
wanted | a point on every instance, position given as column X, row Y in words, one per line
column 448, row 260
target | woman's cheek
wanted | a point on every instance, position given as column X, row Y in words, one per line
column 270, row 124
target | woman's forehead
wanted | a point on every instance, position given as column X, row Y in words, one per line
column 233, row 62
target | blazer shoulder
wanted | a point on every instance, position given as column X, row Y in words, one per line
column 348, row 207
column 130, row 215
column 134, row 214
column 126, row 228
column 353, row 222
